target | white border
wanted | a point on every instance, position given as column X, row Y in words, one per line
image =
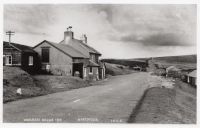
column 100, row 1
column 62, row 125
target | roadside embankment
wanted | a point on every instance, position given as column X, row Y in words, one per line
column 14, row 79
column 167, row 105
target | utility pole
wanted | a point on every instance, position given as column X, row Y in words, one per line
column 10, row 33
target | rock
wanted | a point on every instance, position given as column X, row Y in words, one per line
column 19, row 91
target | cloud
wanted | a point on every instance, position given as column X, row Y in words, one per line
column 127, row 27
column 157, row 25
column 162, row 39
column 28, row 18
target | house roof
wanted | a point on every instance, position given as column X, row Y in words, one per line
column 19, row 47
column 66, row 49
column 80, row 46
column 76, row 45
column 193, row 73
column 89, row 48
column 92, row 64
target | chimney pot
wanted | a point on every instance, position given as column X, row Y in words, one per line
column 84, row 38
column 68, row 34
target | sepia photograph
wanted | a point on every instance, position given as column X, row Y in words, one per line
column 100, row 63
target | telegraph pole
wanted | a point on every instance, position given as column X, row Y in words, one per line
column 10, row 33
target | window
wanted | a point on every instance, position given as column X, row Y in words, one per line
column 45, row 55
column 30, row 60
column 97, row 59
column 16, row 59
column 8, row 60
column 92, row 57
column 90, row 69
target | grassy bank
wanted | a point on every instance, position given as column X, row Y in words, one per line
column 37, row 85
column 163, row 105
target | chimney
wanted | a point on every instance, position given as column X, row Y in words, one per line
column 84, row 38
column 68, row 35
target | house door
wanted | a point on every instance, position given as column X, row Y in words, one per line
column 8, row 60
column 100, row 73
column 78, row 69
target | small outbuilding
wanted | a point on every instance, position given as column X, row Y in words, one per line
column 192, row 78
column 20, row 55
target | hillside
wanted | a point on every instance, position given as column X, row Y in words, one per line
column 184, row 61
column 116, row 69
column 188, row 62
column 178, row 59
column 127, row 62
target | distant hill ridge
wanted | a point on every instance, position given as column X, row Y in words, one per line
column 170, row 59
column 183, row 59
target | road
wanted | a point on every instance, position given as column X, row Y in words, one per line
column 109, row 101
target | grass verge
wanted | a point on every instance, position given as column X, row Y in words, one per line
column 167, row 106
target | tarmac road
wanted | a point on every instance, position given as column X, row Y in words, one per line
column 110, row 101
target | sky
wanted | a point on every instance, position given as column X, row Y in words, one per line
column 117, row 31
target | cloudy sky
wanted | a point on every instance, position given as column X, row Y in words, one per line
column 117, row 31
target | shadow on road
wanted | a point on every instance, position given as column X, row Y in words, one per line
column 137, row 108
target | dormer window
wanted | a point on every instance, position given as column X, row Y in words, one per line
column 94, row 58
